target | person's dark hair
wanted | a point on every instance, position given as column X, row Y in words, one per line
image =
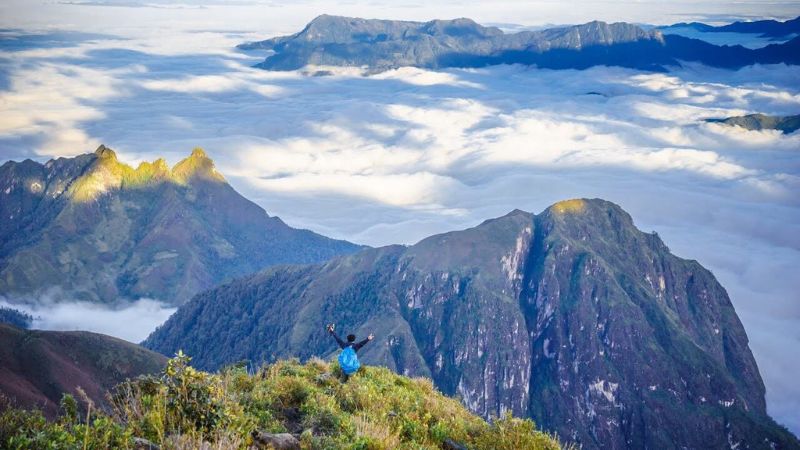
column 351, row 338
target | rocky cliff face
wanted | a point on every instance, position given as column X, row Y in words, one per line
column 92, row 228
column 573, row 317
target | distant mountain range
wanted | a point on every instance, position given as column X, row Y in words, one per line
column 37, row 367
column 92, row 228
column 786, row 124
column 379, row 45
column 572, row 317
column 768, row 28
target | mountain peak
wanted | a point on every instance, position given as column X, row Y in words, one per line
column 105, row 152
column 573, row 206
column 326, row 23
column 198, row 152
column 108, row 173
column 322, row 18
column 104, row 173
column 161, row 164
column 197, row 165
column 585, row 205
column 517, row 212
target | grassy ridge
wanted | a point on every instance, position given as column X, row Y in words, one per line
column 184, row 407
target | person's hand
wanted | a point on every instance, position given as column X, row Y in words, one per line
column 330, row 327
column 370, row 337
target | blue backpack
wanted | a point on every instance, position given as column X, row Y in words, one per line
column 349, row 361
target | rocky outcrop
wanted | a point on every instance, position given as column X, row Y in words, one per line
column 276, row 441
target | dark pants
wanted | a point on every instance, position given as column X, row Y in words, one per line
column 346, row 377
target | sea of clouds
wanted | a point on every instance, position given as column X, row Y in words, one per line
column 395, row 157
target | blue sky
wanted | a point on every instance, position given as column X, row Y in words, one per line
column 394, row 157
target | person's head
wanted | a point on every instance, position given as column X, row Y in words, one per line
column 351, row 338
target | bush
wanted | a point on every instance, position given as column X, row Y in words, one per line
column 193, row 398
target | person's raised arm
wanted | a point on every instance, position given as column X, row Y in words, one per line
column 341, row 343
column 358, row 345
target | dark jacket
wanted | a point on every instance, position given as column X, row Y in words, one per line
column 342, row 344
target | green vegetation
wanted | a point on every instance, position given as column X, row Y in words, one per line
column 184, row 407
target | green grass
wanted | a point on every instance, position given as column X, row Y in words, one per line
column 183, row 407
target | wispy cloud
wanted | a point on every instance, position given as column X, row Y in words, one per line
column 51, row 101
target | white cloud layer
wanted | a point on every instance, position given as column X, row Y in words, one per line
column 133, row 321
column 395, row 157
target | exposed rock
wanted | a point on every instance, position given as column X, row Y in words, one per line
column 324, row 378
column 278, row 441
column 144, row 444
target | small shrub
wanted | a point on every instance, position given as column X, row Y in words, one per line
column 292, row 391
column 192, row 397
column 69, row 409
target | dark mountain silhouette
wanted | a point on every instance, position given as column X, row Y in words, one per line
column 572, row 317
column 386, row 44
column 37, row 367
column 92, row 228
column 787, row 124
column 769, row 28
